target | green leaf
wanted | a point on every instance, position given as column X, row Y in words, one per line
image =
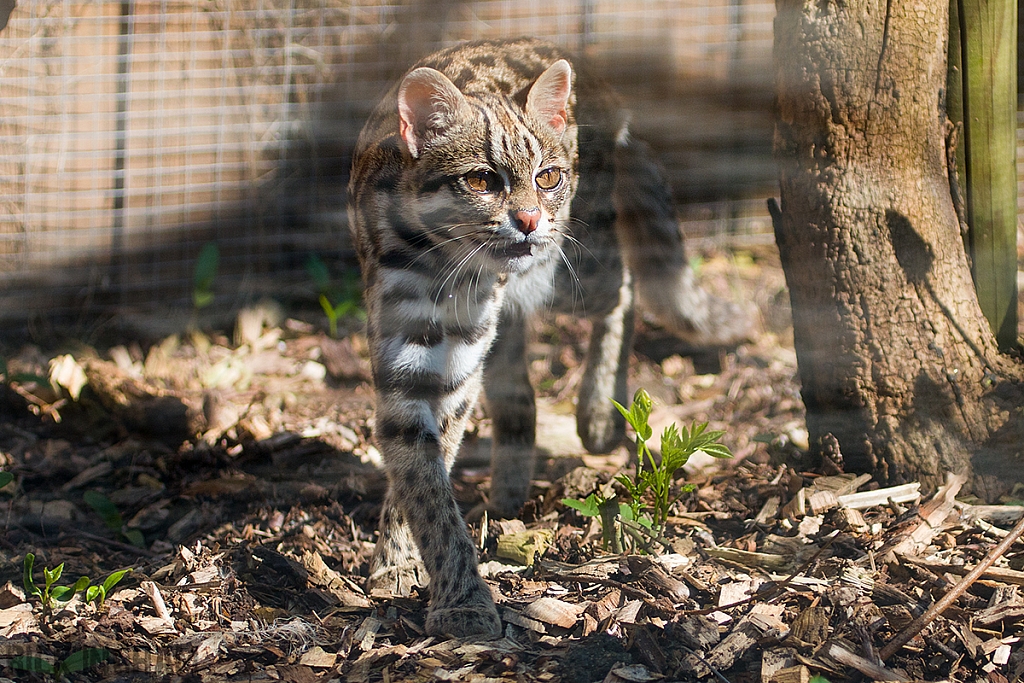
column 94, row 592
column 587, row 508
column 135, row 537
column 52, row 576
column 114, row 579
column 62, row 593
column 201, row 298
column 30, row 585
column 818, row 679
column 5, row 479
column 717, row 450
column 318, row 271
column 641, row 413
column 206, row 266
column 329, row 311
column 622, row 409
column 104, row 508
column 625, row 511
column 83, row 659
column 29, row 663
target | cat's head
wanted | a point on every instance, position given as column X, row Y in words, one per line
column 489, row 177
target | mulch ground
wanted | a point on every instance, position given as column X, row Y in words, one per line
column 237, row 479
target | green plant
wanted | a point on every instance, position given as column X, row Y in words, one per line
column 79, row 660
column 5, row 479
column 645, row 513
column 106, row 509
column 336, row 299
column 51, row 595
column 204, row 275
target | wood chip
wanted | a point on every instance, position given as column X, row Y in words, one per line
column 157, row 599
column 841, row 484
column 553, row 611
column 603, row 608
column 734, row 646
column 513, row 617
column 774, row 660
column 208, row 649
column 768, row 511
column 822, row 501
column 17, row 620
column 631, row 673
column 318, row 658
column 696, row 631
column 905, row 493
column 933, row 515
column 797, row 506
column 866, row 667
column 627, row 613
column 322, row 575
column 367, row 633
column 11, row 595
column 751, row 559
column 792, row 674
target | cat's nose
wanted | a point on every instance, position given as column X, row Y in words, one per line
column 527, row 220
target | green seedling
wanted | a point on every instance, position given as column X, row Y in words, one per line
column 644, row 514
column 77, row 661
column 336, row 300
column 106, row 509
column 52, row 595
column 204, row 275
column 5, row 479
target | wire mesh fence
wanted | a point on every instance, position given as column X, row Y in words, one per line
column 134, row 132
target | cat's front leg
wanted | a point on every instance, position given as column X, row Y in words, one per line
column 420, row 488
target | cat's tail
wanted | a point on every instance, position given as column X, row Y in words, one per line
column 648, row 233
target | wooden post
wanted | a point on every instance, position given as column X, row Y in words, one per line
column 988, row 39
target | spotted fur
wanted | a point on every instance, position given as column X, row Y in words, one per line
column 484, row 189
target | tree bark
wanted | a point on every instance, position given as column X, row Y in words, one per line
column 895, row 357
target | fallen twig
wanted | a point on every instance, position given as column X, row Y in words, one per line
column 917, row 625
column 865, row 666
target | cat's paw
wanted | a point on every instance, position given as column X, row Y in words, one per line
column 459, row 621
column 397, row 580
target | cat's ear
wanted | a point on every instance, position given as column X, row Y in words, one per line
column 428, row 105
column 548, row 99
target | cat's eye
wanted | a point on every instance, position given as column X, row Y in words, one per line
column 549, row 179
column 484, row 182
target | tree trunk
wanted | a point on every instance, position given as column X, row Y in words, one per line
column 896, row 359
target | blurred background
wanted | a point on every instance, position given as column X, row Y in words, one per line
column 135, row 133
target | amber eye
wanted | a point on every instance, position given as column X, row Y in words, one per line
column 484, row 182
column 549, row 179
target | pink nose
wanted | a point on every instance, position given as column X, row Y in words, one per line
column 527, row 220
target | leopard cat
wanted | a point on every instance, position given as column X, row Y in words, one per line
column 495, row 180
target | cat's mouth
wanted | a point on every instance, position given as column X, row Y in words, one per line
column 515, row 250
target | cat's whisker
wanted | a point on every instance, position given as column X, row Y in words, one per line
column 453, row 276
column 577, row 290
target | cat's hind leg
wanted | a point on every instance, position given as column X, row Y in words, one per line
column 512, row 408
column 396, row 566
column 652, row 246
column 598, row 423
